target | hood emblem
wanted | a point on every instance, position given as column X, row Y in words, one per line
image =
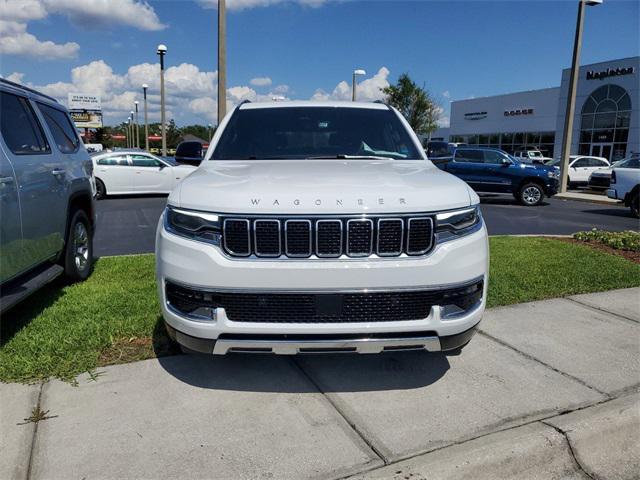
column 338, row 202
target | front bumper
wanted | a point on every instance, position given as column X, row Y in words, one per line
column 612, row 193
column 205, row 267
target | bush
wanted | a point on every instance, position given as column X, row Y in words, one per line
column 628, row 240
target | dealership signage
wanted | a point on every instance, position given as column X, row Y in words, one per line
column 475, row 115
column 609, row 72
column 518, row 112
column 84, row 119
column 83, row 101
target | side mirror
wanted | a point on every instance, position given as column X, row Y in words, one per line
column 162, row 166
column 189, row 152
column 505, row 162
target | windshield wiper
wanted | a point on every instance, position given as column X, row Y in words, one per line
column 349, row 157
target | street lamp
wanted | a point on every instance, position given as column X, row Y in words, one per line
column 161, row 51
column 137, row 126
column 222, row 60
column 146, row 120
column 357, row 72
column 571, row 96
column 210, row 127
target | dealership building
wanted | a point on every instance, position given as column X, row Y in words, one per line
column 606, row 122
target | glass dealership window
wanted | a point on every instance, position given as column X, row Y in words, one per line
column 605, row 117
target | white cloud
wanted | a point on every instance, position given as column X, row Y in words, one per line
column 246, row 4
column 446, row 94
column 22, row 10
column 89, row 13
column 15, row 15
column 281, row 89
column 368, row 90
column 260, row 81
column 15, row 40
column 16, row 77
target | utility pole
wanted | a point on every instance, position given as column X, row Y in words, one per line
column 146, row 119
column 222, row 60
column 571, row 95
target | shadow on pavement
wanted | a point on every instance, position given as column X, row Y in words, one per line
column 278, row 374
column 616, row 212
column 488, row 199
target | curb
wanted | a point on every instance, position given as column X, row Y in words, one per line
column 596, row 200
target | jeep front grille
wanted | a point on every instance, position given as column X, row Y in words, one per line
column 354, row 237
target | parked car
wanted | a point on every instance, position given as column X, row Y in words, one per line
column 129, row 172
column 581, row 167
column 531, row 156
column 600, row 179
column 320, row 227
column 490, row 170
column 48, row 216
column 625, row 185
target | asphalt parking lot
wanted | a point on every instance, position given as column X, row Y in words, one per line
column 126, row 225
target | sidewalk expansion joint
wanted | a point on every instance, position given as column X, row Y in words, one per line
column 35, row 433
column 512, row 426
column 574, row 457
column 537, row 360
column 602, row 310
column 337, row 408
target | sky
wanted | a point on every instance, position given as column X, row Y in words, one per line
column 300, row 49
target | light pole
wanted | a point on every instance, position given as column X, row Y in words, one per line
column 161, row 51
column 129, row 136
column 133, row 129
column 357, row 72
column 222, row 60
column 137, row 126
column 210, row 127
column 146, row 120
column 571, row 94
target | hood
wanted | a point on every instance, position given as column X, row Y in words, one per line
column 320, row 186
column 537, row 166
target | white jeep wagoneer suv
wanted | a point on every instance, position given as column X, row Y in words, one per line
column 320, row 227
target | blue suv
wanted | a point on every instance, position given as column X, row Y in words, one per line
column 490, row 170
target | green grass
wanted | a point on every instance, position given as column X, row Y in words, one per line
column 114, row 316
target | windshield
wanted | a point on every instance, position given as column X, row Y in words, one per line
column 315, row 132
column 535, row 154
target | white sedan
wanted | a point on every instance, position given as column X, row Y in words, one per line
column 581, row 167
column 132, row 172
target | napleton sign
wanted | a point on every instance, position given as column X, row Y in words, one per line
column 609, row 72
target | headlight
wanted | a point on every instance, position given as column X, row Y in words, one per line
column 457, row 223
column 553, row 174
column 200, row 226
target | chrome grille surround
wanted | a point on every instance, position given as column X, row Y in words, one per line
column 329, row 236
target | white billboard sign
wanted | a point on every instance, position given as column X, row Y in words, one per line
column 83, row 101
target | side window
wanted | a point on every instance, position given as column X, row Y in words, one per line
column 64, row 133
column 469, row 156
column 144, row 161
column 114, row 160
column 493, row 157
column 599, row 163
column 20, row 128
column 583, row 162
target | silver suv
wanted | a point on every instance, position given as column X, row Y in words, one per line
column 46, row 195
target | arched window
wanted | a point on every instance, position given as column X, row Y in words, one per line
column 605, row 119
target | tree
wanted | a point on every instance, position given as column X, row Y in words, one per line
column 415, row 103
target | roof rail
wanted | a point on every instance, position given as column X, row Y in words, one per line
column 383, row 103
column 28, row 89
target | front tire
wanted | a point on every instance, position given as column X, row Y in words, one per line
column 78, row 254
column 530, row 194
column 635, row 205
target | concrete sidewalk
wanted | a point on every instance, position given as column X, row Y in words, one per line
column 545, row 390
